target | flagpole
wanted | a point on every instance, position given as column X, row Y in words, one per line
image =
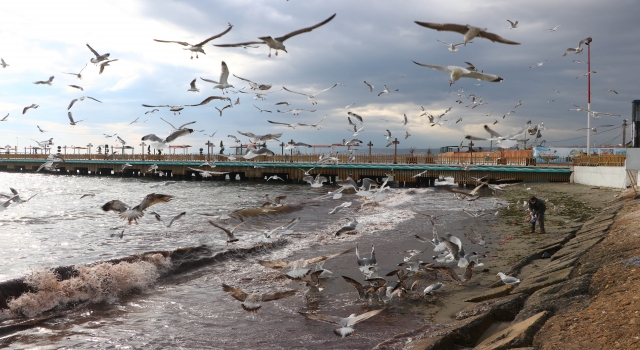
column 589, row 95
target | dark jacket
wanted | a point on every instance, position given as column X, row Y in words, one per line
column 537, row 207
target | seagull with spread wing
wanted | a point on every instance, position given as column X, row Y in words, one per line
column 177, row 108
column 251, row 301
column 298, row 267
column 197, row 47
column 346, row 323
column 129, row 213
column 99, row 58
column 278, row 43
column 228, row 231
column 71, row 121
column 45, row 82
column 312, row 96
column 457, row 72
column 224, row 77
column 79, row 74
column 159, row 143
column 255, row 86
column 468, row 31
column 81, row 99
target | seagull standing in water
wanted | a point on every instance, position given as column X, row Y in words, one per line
column 278, row 43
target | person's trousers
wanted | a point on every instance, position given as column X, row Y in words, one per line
column 539, row 220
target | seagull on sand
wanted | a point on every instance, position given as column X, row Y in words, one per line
column 24, row 110
column 434, row 287
column 507, row 279
column 224, row 76
column 230, row 236
column 458, row 72
column 99, row 58
column 129, row 213
column 81, row 99
column 197, row 47
column 468, row 31
column 251, row 301
column 312, row 96
column 45, row 82
column 278, row 43
column 71, row 121
column 79, row 74
column 452, row 47
column 346, row 323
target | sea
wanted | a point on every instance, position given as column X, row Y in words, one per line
column 173, row 297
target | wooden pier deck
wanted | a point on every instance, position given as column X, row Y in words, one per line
column 294, row 171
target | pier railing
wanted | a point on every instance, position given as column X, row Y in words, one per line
column 476, row 158
column 600, row 160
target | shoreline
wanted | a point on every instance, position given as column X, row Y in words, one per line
column 487, row 312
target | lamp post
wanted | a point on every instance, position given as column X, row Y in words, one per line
column 471, row 150
column 142, row 149
column 395, row 150
column 291, row 150
column 282, row 148
column 209, row 144
column 588, row 43
column 370, row 144
column 89, row 149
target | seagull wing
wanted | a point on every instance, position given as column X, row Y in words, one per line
column 355, row 116
column 278, row 295
column 299, row 93
column 235, row 292
column 209, row 99
column 496, row 38
column 304, row 30
column 369, row 85
column 178, row 133
column 326, row 257
column 363, row 317
column 177, row 217
column 224, row 74
column 70, row 117
column 492, row 132
column 152, row 199
column 247, row 80
column 272, row 122
column 322, row 318
column 115, row 205
column 483, row 76
column 321, row 91
column 171, row 41
column 71, row 104
column 450, row 27
column 94, row 51
column 152, row 138
column 185, row 124
column 447, row 270
column 214, row 37
column 440, row 68
column 167, row 122
column 355, row 284
column 241, row 44
column 89, row 97
column 210, row 81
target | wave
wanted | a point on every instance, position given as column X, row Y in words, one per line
column 55, row 290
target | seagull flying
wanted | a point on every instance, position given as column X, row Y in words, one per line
column 230, row 237
column 224, row 76
column 251, row 301
column 346, row 323
column 255, row 86
column 45, row 82
column 458, row 72
column 468, row 31
column 177, row 108
column 71, row 121
column 513, row 25
column 278, row 43
column 133, row 214
column 312, row 96
column 99, row 58
column 79, row 74
column 452, row 47
column 81, row 99
column 369, row 86
column 197, row 47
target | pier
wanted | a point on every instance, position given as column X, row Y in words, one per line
column 291, row 168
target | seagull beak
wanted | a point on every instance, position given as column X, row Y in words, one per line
column 285, row 50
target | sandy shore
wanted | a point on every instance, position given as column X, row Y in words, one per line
column 509, row 240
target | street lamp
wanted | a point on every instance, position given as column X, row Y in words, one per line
column 395, row 150
column 142, row 151
column 89, row 149
column 370, row 144
column 588, row 43
column 282, row 148
column 471, row 150
column 209, row 146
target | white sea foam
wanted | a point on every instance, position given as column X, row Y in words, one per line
column 97, row 283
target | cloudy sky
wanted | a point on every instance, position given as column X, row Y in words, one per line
column 368, row 40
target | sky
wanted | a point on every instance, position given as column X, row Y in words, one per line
column 374, row 41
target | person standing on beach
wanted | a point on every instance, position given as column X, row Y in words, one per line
column 537, row 209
